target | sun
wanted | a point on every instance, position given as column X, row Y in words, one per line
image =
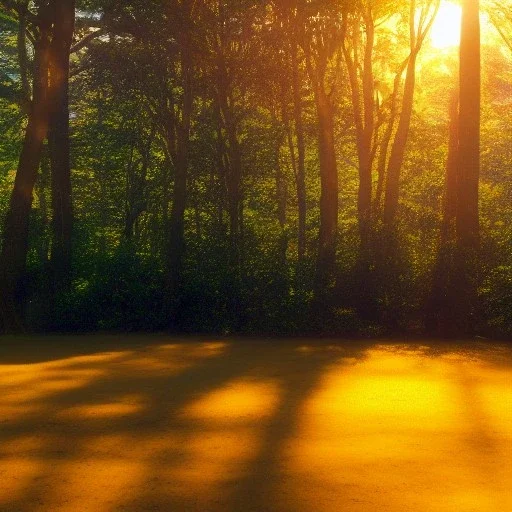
column 446, row 28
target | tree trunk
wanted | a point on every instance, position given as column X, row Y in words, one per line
column 386, row 139
column 136, row 176
column 443, row 293
column 329, row 193
column 420, row 23
column 281, row 200
column 233, row 170
column 450, row 199
column 467, row 223
column 15, row 235
column 364, row 202
column 399, row 143
column 389, row 263
column 58, row 140
column 469, row 128
column 301, row 155
column 177, row 220
column 234, row 179
column 361, row 77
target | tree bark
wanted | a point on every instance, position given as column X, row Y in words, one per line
column 443, row 293
column 386, row 139
column 59, row 142
column 418, row 30
column 329, row 192
column 317, row 54
column 181, row 164
column 399, row 143
column 358, row 53
column 301, row 155
column 467, row 223
column 469, row 128
column 233, row 169
column 281, row 200
column 15, row 235
column 361, row 77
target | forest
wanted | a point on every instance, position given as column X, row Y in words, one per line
column 330, row 167
column 255, row 255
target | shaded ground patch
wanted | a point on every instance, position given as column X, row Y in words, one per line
column 157, row 423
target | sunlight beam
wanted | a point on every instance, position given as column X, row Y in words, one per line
column 446, row 28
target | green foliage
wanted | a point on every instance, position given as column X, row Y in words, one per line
column 127, row 90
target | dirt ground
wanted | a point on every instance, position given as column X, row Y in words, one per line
column 104, row 424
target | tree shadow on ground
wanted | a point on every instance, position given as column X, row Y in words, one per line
column 162, row 424
column 135, row 394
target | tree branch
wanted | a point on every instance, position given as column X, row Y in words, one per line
column 86, row 40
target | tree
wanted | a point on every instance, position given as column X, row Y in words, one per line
column 358, row 53
column 58, row 140
column 443, row 292
column 16, row 225
column 287, row 44
column 177, row 133
column 469, row 128
column 323, row 35
column 418, row 31
column 467, row 222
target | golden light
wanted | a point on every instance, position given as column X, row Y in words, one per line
column 404, row 424
column 446, row 28
column 215, row 427
column 239, row 401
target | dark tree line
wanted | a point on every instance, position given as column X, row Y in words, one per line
column 198, row 120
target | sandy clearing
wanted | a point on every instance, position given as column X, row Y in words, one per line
column 104, row 424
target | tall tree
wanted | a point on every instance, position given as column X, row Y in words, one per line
column 301, row 145
column 443, row 292
column 419, row 27
column 287, row 45
column 469, row 128
column 358, row 53
column 233, row 45
column 323, row 35
column 16, row 225
column 178, row 142
column 58, row 139
column 467, row 221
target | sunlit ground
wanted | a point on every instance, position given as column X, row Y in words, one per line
column 136, row 424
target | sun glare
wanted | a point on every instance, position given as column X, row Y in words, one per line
column 446, row 28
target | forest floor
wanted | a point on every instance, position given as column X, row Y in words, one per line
column 134, row 424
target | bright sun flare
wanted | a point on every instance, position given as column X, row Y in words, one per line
column 446, row 27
